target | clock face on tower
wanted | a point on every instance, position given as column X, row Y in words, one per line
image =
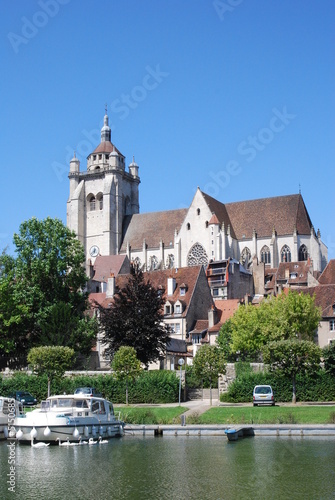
column 94, row 251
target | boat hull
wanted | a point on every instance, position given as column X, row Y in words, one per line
column 52, row 423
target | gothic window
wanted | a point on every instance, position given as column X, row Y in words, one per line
column 245, row 258
column 169, row 261
column 91, row 201
column 100, row 201
column 285, row 254
column 153, row 263
column 303, row 253
column 197, row 256
column 266, row 255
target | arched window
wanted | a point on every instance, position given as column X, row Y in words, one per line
column 100, row 202
column 245, row 258
column 266, row 255
column 197, row 255
column 137, row 263
column 91, row 201
column 303, row 253
column 285, row 254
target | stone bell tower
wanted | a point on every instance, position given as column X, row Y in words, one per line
column 101, row 197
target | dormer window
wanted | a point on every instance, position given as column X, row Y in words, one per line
column 177, row 309
column 168, row 309
column 182, row 289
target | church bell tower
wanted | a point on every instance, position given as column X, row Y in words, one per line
column 101, row 197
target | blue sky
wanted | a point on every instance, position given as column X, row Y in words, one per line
column 233, row 96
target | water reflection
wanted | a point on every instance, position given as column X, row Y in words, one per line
column 176, row 468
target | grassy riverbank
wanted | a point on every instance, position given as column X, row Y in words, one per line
column 231, row 415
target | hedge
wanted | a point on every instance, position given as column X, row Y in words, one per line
column 318, row 387
column 155, row 387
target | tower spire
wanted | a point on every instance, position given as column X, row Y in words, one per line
column 106, row 131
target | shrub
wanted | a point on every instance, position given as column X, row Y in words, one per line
column 317, row 387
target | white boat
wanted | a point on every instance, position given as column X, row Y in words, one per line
column 9, row 409
column 69, row 418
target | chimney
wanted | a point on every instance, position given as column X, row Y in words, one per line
column 171, row 286
column 212, row 317
column 110, row 286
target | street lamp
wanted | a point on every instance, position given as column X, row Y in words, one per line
column 180, row 363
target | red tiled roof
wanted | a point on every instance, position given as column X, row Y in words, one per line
column 200, row 326
column 328, row 275
column 106, row 147
column 158, row 279
column 324, row 298
column 106, row 265
column 283, row 213
column 225, row 310
column 154, row 227
column 220, row 210
column 290, row 268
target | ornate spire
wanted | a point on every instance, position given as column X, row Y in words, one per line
column 106, row 131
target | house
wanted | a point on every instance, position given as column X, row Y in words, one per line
column 187, row 299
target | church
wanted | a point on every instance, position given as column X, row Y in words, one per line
column 103, row 210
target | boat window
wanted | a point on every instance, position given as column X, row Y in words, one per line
column 98, row 407
column 45, row 405
column 81, row 403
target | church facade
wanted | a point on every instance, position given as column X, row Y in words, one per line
column 103, row 210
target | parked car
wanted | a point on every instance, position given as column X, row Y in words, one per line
column 24, row 397
column 88, row 391
column 263, row 395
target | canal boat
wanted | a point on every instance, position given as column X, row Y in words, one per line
column 68, row 418
column 9, row 409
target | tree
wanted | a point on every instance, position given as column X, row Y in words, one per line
column 209, row 362
column 51, row 360
column 287, row 316
column 328, row 354
column 41, row 291
column 135, row 319
column 292, row 356
column 126, row 365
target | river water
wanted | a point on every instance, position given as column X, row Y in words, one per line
column 158, row 468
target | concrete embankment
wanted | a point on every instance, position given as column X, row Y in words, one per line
column 276, row 430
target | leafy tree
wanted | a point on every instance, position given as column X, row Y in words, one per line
column 135, row 319
column 51, row 360
column 12, row 313
column 209, row 362
column 41, row 291
column 287, row 316
column 291, row 357
column 224, row 340
column 126, row 365
column 328, row 354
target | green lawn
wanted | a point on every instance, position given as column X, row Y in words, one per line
column 150, row 414
column 230, row 415
column 269, row 415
